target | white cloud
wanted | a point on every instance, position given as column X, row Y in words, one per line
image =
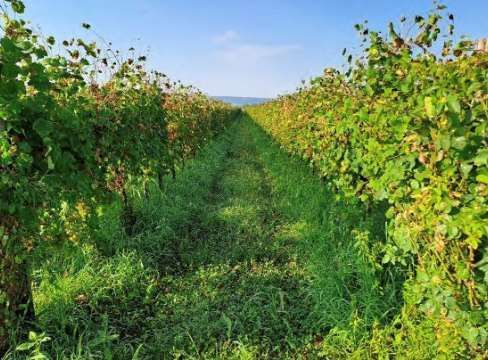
column 252, row 53
column 226, row 37
column 240, row 68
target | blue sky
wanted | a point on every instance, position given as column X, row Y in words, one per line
column 242, row 47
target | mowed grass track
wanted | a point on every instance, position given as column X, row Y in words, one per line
column 245, row 255
column 238, row 288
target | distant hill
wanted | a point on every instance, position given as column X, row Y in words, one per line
column 241, row 101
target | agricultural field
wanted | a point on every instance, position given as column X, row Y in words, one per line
column 143, row 219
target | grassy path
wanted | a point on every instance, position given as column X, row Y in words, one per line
column 245, row 255
column 239, row 289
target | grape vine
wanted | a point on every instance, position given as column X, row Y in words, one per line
column 69, row 141
column 406, row 125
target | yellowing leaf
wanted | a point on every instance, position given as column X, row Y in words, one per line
column 482, row 178
column 429, row 107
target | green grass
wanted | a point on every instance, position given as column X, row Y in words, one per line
column 245, row 255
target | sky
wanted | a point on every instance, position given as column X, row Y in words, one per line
column 258, row 48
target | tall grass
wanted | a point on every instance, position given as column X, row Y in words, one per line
column 245, row 255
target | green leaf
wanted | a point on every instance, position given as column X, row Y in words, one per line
column 470, row 333
column 17, row 6
column 466, row 168
column 24, row 146
column 50, row 163
column 43, row 127
column 459, row 143
column 25, row 346
column 39, row 357
column 414, row 184
column 481, row 158
column 483, row 177
column 445, row 142
column 25, row 45
column 453, row 104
